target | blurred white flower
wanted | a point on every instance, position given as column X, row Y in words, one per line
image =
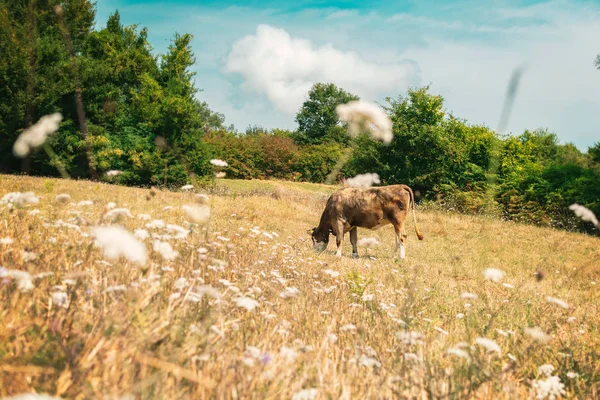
column 468, row 296
column 116, row 213
column 489, row 344
column 572, row 375
column 537, row 334
column 247, row 303
column 459, row 353
column 141, row 234
column 199, row 214
column 362, row 116
column 187, row 187
column 18, row 199
column 364, row 180
column 181, row 283
column 201, row 198
column 546, row 369
column 558, row 302
column 36, row 135
column 6, row 240
column 117, row 242
column 29, row 256
column 332, row 273
column 113, row 172
column 115, row 288
column 550, row 388
column 493, row 274
column 220, row 175
column 23, row 279
column 305, row 394
column 165, row 250
column 218, row 163
column 60, row 299
column 584, row 213
column 63, row 198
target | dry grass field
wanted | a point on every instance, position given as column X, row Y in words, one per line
column 242, row 308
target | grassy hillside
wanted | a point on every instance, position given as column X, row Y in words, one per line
column 365, row 328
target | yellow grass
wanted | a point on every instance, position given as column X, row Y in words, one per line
column 341, row 335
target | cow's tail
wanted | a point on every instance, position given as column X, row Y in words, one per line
column 412, row 200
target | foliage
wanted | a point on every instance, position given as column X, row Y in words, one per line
column 317, row 119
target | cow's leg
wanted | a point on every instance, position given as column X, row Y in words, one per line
column 353, row 240
column 339, row 237
column 400, row 240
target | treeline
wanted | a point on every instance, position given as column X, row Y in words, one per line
column 143, row 119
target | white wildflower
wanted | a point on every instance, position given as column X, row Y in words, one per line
column 550, row 388
column 409, row 337
column 537, row 334
column 181, row 284
column 63, row 198
column 144, row 217
column 117, row 242
column 199, row 214
column 180, row 232
column 440, row 330
column 113, row 172
column 218, row 163
column 220, row 175
column 369, row 362
column 332, row 273
column 84, row 203
column 489, row 344
column 364, row 180
column 584, row 213
column 115, row 213
column 460, row 316
column 546, row 369
column 60, row 299
column 361, row 116
column 18, row 199
column 141, row 234
column 459, row 353
column 201, row 198
column 115, row 288
column 36, row 135
column 572, row 375
column 165, row 250
column 468, row 296
column 289, row 292
column 155, row 224
column 571, row 319
column 305, row 394
column 6, row 240
column 23, row 279
column 508, row 286
column 288, row 354
column 29, row 256
column 348, row 327
column 367, row 297
column 368, row 242
column 247, row 303
column 493, row 274
column 187, row 187
column 558, row 302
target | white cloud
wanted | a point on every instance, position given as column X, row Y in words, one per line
column 284, row 68
column 559, row 88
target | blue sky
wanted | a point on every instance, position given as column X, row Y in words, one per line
column 257, row 59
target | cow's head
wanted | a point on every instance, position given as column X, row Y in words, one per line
column 320, row 238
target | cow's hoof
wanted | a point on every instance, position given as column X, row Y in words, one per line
column 354, row 255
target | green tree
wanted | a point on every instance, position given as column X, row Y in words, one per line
column 317, row 120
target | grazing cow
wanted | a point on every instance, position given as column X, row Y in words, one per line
column 350, row 208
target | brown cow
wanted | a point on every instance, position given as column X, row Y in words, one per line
column 350, row 208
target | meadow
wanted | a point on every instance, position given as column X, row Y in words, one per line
column 242, row 308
